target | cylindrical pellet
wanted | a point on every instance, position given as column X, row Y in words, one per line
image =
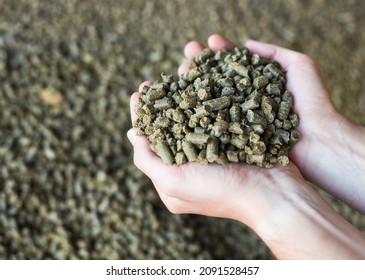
column 189, row 151
column 223, row 115
column 287, row 97
column 222, row 158
column 192, row 74
column 218, row 103
column 188, row 103
column 235, row 127
column 205, row 121
column 258, row 159
column 259, row 148
column 197, row 138
column 272, row 71
column 212, row 149
column 167, row 78
column 164, row 152
column 294, row 119
column 199, row 129
column 225, row 138
column 155, row 94
column 267, row 107
column 287, row 125
column 235, row 113
column 162, row 122
column 260, row 82
column 241, row 70
column 294, row 136
column 251, row 104
column 255, row 118
column 227, row 91
column 202, row 157
column 284, row 109
column 232, row 156
column 283, row 157
column 259, row 60
column 273, row 89
column 163, row 104
column 180, row 158
column 203, row 55
column 178, row 115
column 284, row 135
column 239, row 141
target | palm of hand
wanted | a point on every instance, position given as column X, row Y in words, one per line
column 207, row 189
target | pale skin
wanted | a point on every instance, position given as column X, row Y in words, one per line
column 278, row 204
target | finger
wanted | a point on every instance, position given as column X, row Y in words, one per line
column 146, row 83
column 168, row 176
column 217, row 42
column 144, row 158
column 183, row 68
column 133, row 102
column 284, row 56
column 192, row 49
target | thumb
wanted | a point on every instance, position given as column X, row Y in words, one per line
column 144, row 158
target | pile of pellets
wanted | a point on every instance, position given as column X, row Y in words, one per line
column 230, row 107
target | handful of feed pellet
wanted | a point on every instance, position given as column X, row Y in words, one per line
column 230, row 107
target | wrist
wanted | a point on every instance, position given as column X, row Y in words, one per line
column 301, row 225
column 308, row 228
column 272, row 193
column 332, row 155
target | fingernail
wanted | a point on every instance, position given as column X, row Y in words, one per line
column 132, row 137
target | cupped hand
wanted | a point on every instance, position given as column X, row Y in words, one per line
column 326, row 154
column 236, row 191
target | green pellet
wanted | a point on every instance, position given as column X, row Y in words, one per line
column 180, row 158
column 197, row 138
column 189, row 151
column 202, row 157
column 218, row 103
column 235, row 128
column 235, row 113
column 271, row 71
column 164, row 152
column 212, row 149
column 255, row 117
column 232, row 156
column 154, row 94
column 260, row 82
column 273, row 89
column 163, row 104
column 239, row 141
column 250, row 104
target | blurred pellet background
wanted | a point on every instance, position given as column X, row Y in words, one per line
column 68, row 187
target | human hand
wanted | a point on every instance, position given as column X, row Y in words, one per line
column 236, row 191
column 331, row 152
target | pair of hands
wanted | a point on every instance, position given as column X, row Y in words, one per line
column 254, row 195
